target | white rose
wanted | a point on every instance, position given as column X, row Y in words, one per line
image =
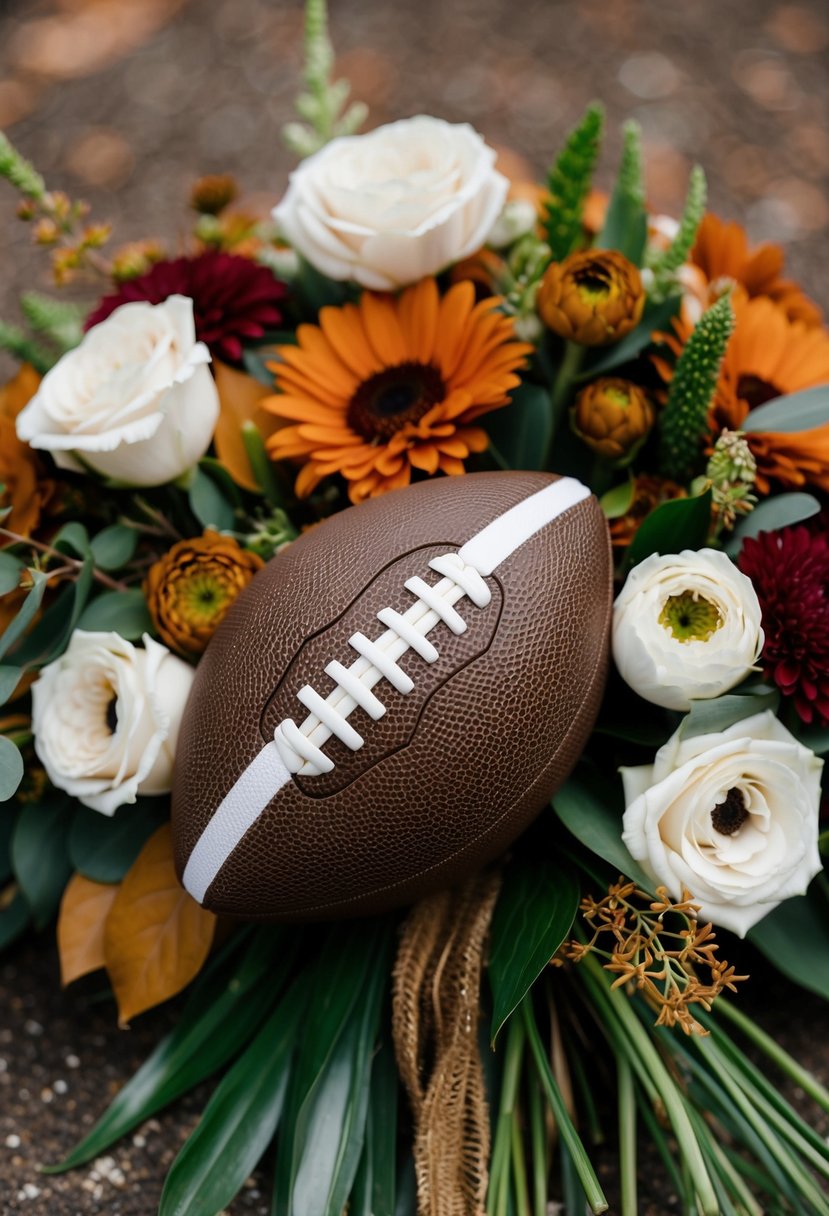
column 106, row 716
column 732, row 817
column 387, row 208
column 135, row 401
column 686, row 627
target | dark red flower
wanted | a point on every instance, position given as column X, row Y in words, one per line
column 234, row 299
column 790, row 573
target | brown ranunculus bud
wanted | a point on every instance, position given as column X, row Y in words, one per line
column 613, row 416
column 593, row 297
column 190, row 589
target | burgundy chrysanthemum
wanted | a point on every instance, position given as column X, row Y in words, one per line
column 790, row 573
column 234, row 299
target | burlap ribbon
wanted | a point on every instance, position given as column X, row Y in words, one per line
column 437, row 980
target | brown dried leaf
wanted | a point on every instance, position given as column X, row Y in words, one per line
column 83, row 913
column 156, row 937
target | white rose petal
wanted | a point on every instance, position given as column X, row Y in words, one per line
column 670, row 670
column 677, row 827
column 106, row 716
column 135, row 401
column 388, row 208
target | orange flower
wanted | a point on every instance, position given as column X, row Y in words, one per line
column 768, row 356
column 594, row 297
column 613, row 417
column 191, row 588
column 21, row 472
column 393, row 384
column 722, row 253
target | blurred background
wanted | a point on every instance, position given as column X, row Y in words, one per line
column 126, row 102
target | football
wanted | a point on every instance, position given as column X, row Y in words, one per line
column 394, row 698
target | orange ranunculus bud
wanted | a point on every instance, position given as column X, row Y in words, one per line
column 613, row 416
column 211, row 194
column 594, row 297
column 190, row 589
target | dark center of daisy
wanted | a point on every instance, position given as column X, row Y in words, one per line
column 112, row 714
column 729, row 816
column 756, row 391
column 391, row 398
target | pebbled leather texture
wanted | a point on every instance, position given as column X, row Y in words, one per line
column 454, row 770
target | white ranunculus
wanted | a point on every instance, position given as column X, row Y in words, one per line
column 106, row 717
column 387, row 208
column 732, row 817
column 135, row 401
column 686, row 627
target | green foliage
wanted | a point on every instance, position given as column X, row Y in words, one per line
column 771, row 514
column 375, row 1187
column 795, row 938
column 655, row 318
column 123, row 612
column 534, row 913
column 716, row 715
column 114, row 547
column 520, row 433
column 11, row 761
column 9, row 679
column 40, row 859
column 795, row 412
column 681, row 523
column 569, row 181
column 17, row 170
column 103, row 848
column 14, row 920
column 26, row 613
column 626, row 223
column 664, row 264
column 322, row 105
column 208, row 503
column 24, row 348
column 684, row 421
column 11, row 568
column 590, row 806
column 61, row 321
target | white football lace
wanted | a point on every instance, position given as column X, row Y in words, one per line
column 300, row 746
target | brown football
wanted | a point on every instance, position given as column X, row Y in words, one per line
column 394, row 698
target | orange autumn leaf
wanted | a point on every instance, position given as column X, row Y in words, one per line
column 239, row 398
column 83, row 913
column 156, row 937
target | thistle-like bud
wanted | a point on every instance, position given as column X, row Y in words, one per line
column 594, row 297
column 731, row 472
column 135, row 258
column 270, row 534
column 613, row 417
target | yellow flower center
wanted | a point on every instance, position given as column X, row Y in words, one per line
column 594, row 287
column 202, row 597
column 690, row 617
column 617, row 396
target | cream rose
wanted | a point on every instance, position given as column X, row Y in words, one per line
column 106, row 716
column 134, row 402
column 387, row 208
column 732, row 817
column 686, row 627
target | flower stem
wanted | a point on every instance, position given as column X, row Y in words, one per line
column 562, row 385
column 498, row 1195
column 627, row 1137
column 539, row 1150
column 70, row 563
column 787, row 1065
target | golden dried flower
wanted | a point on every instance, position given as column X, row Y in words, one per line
column 211, row 194
column 190, row 589
column 613, row 417
column 135, row 258
column 594, row 297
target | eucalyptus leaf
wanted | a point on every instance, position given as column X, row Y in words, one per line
column 591, row 808
column 209, row 505
column 681, row 523
column 11, row 768
column 534, row 913
column 239, row 1120
column 123, row 612
column 226, row 1005
column 522, row 430
column 816, row 738
column 9, row 680
column 795, row 938
column 40, row 859
column 712, row 717
column 655, row 319
column 103, row 848
column 113, row 547
column 74, row 537
column 10, row 570
column 771, row 514
column 617, row 502
column 795, row 412
column 14, row 920
column 8, row 818
column 25, row 614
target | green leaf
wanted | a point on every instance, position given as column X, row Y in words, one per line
column 122, row 612
column 569, row 181
column 239, row 1120
column 655, row 319
column 227, row 1003
column 74, row 538
column 770, row 515
column 103, row 848
column 626, row 223
column 11, row 768
column 14, row 920
column 533, row 916
column 618, row 501
column 795, row 412
column 816, row 738
column 10, row 571
column 521, row 431
column 60, row 320
column 591, row 808
column 711, row 717
column 375, row 1187
column 26, row 613
column 795, row 938
column 209, row 504
column 114, row 547
column 39, row 855
column 316, row 290
column 681, row 523
column 8, row 818
column 217, row 471
column 9, row 680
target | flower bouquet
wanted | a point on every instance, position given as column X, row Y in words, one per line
column 409, row 313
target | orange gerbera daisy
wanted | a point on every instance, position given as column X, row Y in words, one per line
column 722, row 253
column 769, row 356
column 393, row 384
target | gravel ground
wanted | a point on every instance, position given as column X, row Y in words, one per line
column 125, row 102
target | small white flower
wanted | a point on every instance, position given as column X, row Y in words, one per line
column 518, row 218
column 106, row 716
column 390, row 207
column 686, row 627
column 135, row 401
column 732, row 817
